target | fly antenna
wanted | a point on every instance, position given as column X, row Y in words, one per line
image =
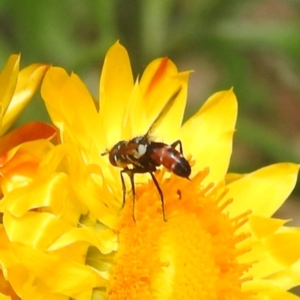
column 105, row 152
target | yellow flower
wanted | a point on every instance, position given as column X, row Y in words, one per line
column 17, row 89
column 18, row 156
column 66, row 236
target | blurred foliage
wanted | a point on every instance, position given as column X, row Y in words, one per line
column 251, row 45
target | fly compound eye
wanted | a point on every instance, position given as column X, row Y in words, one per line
column 114, row 156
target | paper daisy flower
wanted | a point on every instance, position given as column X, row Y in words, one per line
column 17, row 89
column 66, row 236
column 20, row 152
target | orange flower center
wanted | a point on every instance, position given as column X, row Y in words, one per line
column 193, row 255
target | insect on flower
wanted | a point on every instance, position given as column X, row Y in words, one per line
column 143, row 155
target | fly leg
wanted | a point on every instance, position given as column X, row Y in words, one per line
column 123, row 187
column 178, row 142
column 160, row 194
column 131, row 177
column 131, row 173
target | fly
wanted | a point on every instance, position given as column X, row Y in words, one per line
column 142, row 155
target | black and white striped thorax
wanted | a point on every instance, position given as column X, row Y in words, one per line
column 130, row 152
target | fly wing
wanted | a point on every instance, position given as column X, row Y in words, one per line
column 163, row 112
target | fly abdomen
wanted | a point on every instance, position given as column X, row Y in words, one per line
column 182, row 168
column 170, row 158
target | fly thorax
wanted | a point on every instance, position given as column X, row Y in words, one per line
column 140, row 151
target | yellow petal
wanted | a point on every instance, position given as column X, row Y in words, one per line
column 154, row 77
column 268, row 290
column 285, row 246
column 28, row 132
column 263, row 191
column 40, row 229
column 284, row 278
column 275, row 294
column 99, row 201
column 19, row 165
column 57, row 270
column 10, row 293
column 136, row 120
column 73, row 111
column 67, row 98
column 29, row 80
column 167, row 126
column 208, row 135
column 116, row 84
column 4, row 297
column 288, row 278
column 104, row 240
column 51, row 192
column 7, row 257
column 7, row 261
column 92, row 195
column 159, row 83
column 262, row 227
column 230, row 177
column 39, row 291
column 8, row 81
column 170, row 126
column 263, row 265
